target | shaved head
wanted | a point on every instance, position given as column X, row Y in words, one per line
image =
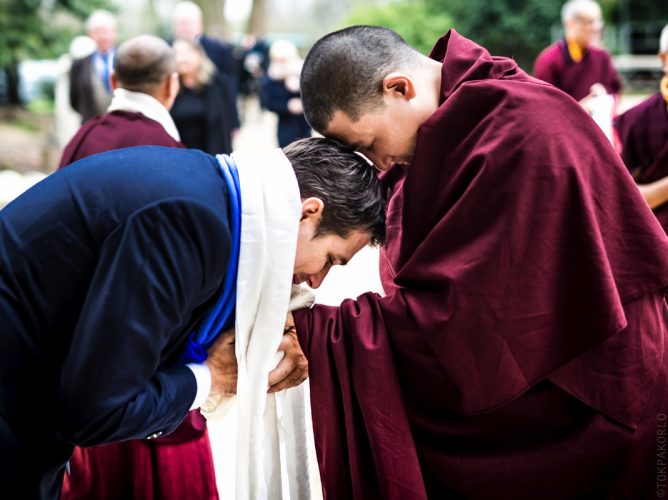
column 143, row 62
column 345, row 69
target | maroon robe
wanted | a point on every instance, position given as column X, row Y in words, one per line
column 169, row 468
column 643, row 138
column 554, row 65
column 115, row 130
column 520, row 350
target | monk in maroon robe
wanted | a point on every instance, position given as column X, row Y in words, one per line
column 574, row 64
column 520, row 351
column 642, row 134
column 180, row 465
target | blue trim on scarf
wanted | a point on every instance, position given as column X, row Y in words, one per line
column 221, row 316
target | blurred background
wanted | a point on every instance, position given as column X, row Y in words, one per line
column 36, row 34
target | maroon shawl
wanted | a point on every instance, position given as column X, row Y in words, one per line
column 525, row 322
column 115, row 130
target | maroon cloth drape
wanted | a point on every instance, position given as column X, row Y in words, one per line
column 172, row 468
column 643, row 137
column 168, row 468
column 115, row 130
column 523, row 335
column 554, row 65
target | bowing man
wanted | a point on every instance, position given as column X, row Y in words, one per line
column 520, row 351
column 117, row 276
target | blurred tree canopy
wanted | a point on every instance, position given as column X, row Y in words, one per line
column 514, row 28
column 38, row 29
column 415, row 21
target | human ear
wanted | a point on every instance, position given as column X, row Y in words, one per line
column 399, row 84
column 170, row 89
column 113, row 81
column 664, row 61
column 312, row 208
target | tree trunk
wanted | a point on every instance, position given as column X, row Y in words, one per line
column 257, row 22
column 12, row 74
column 214, row 17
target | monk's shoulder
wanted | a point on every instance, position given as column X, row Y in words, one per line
column 525, row 97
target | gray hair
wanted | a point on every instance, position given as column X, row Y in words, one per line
column 189, row 10
column 663, row 41
column 574, row 8
column 99, row 18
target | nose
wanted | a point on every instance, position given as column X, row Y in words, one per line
column 315, row 280
column 379, row 162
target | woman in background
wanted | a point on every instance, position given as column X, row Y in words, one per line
column 279, row 92
column 204, row 112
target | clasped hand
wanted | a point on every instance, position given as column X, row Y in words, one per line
column 290, row 372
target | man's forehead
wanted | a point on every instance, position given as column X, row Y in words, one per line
column 343, row 128
column 345, row 248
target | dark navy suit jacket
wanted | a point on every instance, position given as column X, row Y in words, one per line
column 105, row 267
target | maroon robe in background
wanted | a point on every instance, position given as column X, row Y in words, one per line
column 643, row 137
column 554, row 65
column 115, row 130
column 173, row 467
column 520, row 350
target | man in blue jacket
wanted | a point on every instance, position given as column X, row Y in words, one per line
column 107, row 267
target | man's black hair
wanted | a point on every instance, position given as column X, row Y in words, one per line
column 344, row 71
column 345, row 182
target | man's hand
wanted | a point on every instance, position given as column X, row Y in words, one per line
column 293, row 368
column 222, row 363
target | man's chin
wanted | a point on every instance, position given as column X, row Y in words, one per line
column 401, row 163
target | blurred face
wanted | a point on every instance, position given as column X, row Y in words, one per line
column 104, row 36
column 317, row 254
column 188, row 59
column 186, row 26
column 585, row 28
column 385, row 135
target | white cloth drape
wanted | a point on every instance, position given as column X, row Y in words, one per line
column 263, row 444
column 149, row 106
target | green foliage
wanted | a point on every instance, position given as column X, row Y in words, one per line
column 413, row 20
column 38, row 29
column 512, row 28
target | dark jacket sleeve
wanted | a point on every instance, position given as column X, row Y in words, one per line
column 152, row 274
column 222, row 116
column 81, row 89
column 274, row 96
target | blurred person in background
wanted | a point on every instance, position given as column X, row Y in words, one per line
column 279, row 92
column 145, row 85
column 90, row 85
column 642, row 139
column 188, row 24
column 204, row 110
column 67, row 119
column 579, row 67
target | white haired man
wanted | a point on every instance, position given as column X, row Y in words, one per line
column 90, row 86
column 577, row 66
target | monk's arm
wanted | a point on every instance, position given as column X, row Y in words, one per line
column 655, row 193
